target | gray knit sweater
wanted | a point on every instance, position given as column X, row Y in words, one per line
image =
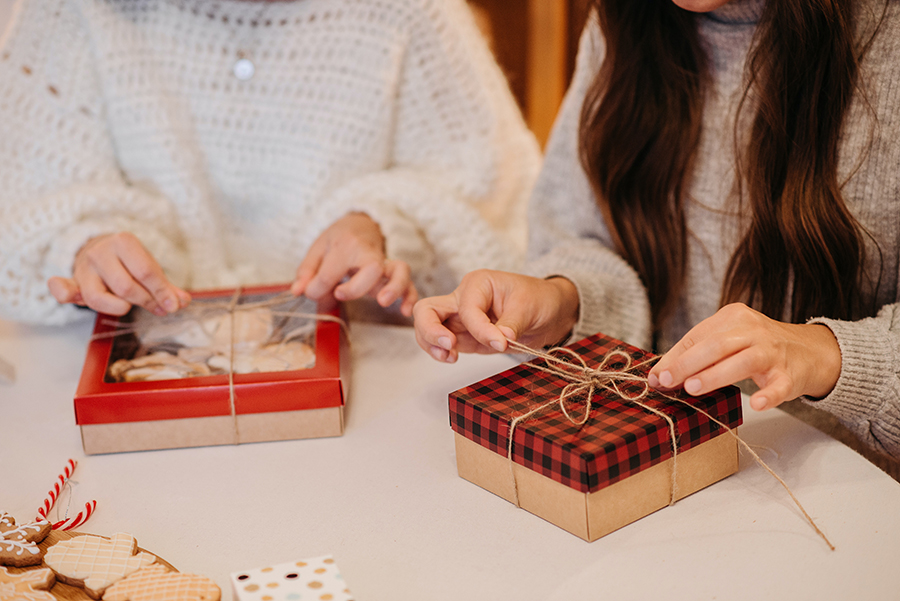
column 568, row 236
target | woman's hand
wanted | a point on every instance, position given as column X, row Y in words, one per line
column 784, row 360
column 353, row 247
column 490, row 306
column 113, row 272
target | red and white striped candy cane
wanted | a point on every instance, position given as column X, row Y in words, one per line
column 61, row 481
column 78, row 520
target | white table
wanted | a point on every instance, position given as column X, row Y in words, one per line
column 386, row 501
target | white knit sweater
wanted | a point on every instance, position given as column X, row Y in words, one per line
column 127, row 115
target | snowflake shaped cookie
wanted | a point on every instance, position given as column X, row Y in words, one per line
column 95, row 562
column 27, row 586
column 157, row 583
column 19, row 544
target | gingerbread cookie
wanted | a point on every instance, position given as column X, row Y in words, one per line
column 157, row 583
column 18, row 544
column 27, row 586
column 94, row 562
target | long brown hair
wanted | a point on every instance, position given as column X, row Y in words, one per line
column 640, row 128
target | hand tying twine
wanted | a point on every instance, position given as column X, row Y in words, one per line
column 583, row 382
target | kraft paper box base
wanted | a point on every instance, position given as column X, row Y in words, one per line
column 209, row 431
column 594, row 515
column 196, row 411
column 606, row 460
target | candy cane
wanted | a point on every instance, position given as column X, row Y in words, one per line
column 61, row 481
column 50, row 501
column 78, row 520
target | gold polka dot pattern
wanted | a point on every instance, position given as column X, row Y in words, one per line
column 316, row 579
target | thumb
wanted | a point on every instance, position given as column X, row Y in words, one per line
column 509, row 329
column 512, row 323
column 515, row 322
column 64, row 290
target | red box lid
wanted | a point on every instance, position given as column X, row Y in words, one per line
column 100, row 402
column 619, row 440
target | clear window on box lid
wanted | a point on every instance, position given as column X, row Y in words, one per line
column 272, row 332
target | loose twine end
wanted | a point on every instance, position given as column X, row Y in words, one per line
column 583, row 382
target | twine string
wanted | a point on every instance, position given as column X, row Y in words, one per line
column 232, row 307
column 234, row 420
column 583, row 382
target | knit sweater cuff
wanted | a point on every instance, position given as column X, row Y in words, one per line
column 61, row 255
column 867, row 370
column 403, row 241
column 611, row 300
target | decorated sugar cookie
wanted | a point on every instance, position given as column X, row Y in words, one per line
column 95, row 562
column 157, row 583
column 27, row 586
column 19, row 544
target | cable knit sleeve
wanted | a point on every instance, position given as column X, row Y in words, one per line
column 567, row 234
column 59, row 182
column 454, row 196
column 866, row 397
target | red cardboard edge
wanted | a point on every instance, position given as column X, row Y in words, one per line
column 101, row 402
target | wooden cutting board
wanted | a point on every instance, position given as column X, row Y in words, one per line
column 64, row 591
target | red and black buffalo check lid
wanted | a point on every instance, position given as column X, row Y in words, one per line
column 619, row 440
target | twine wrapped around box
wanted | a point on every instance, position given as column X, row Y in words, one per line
column 232, row 308
column 583, row 381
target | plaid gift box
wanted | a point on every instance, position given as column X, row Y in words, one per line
column 594, row 478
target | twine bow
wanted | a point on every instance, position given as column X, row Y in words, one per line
column 583, row 382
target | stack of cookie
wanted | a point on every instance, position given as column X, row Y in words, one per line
column 111, row 569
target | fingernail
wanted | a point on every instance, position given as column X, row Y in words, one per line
column 445, row 342
column 507, row 332
column 693, row 385
column 666, row 379
column 760, row 403
column 170, row 305
column 497, row 345
column 438, row 353
column 159, row 311
column 653, row 381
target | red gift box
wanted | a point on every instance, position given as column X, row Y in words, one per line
column 197, row 411
column 594, row 478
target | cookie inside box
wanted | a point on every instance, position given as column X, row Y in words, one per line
column 264, row 333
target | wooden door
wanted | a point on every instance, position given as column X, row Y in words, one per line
column 535, row 42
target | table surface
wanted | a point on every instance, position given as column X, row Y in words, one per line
column 386, row 501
